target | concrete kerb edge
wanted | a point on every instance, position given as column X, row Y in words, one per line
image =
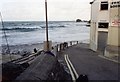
column 109, row 59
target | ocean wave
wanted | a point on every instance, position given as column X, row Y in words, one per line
column 54, row 26
column 20, row 29
column 61, row 26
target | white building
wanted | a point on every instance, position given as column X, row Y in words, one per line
column 105, row 27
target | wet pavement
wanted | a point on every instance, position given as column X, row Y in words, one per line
column 89, row 63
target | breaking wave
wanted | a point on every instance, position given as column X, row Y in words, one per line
column 54, row 26
column 20, row 29
column 27, row 29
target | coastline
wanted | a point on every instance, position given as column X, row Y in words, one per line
column 17, row 51
column 21, row 50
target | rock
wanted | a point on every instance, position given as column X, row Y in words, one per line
column 78, row 20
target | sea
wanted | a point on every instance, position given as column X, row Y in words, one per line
column 31, row 32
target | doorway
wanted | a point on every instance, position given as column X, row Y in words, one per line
column 102, row 37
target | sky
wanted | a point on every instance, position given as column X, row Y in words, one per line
column 34, row 10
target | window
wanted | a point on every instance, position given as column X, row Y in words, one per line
column 103, row 25
column 104, row 5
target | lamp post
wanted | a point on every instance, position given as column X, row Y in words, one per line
column 47, row 41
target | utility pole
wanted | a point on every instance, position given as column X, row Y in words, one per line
column 47, row 41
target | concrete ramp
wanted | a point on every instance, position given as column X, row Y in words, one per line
column 45, row 67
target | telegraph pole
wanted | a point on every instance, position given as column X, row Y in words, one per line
column 47, row 41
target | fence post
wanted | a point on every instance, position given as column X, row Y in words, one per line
column 67, row 44
column 63, row 46
column 60, row 47
column 77, row 42
column 56, row 50
column 70, row 43
column 57, row 47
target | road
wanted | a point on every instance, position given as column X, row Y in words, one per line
column 86, row 61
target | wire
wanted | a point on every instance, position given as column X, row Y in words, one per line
column 8, row 48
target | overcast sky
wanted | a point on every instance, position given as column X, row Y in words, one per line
column 58, row 10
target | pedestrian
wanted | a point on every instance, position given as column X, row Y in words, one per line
column 35, row 50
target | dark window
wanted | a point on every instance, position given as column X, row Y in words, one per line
column 103, row 25
column 104, row 5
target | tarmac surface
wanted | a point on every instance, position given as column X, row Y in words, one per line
column 86, row 61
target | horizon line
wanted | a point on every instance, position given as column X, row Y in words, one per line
column 39, row 20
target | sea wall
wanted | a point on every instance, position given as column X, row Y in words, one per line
column 45, row 67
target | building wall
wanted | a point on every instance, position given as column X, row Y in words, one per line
column 97, row 16
column 114, row 28
column 114, row 36
column 93, row 30
column 111, row 16
column 93, row 37
column 103, row 15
